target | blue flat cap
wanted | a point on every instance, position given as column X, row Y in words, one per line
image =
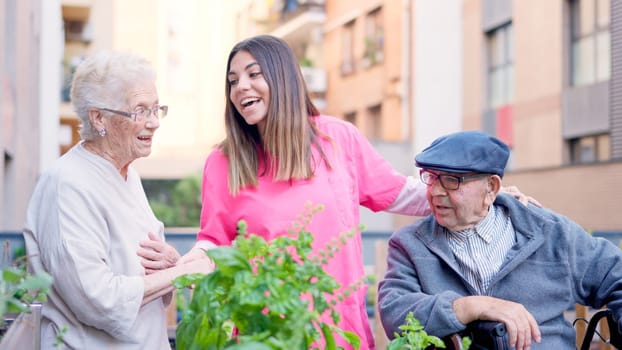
column 465, row 152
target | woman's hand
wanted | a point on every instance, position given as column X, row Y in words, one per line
column 195, row 253
column 521, row 197
column 197, row 256
column 156, row 254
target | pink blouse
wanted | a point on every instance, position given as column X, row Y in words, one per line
column 359, row 176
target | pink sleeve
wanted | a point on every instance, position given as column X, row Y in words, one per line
column 378, row 182
column 215, row 225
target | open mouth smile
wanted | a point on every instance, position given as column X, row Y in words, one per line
column 246, row 102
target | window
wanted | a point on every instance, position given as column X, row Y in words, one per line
column 76, row 23
column 373, row 126
column 590, row 41
column 374, row 38
column 589, row 149
column 350, row 117
column 500, row 54
column 347, row 49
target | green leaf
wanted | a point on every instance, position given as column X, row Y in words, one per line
column 229, row 259
column 350, row 337
column 413, row 337
column 188, row 280
column 398, row 344
column 12, row 275
column 249, row 346
column 38, row 281
column 329, row 338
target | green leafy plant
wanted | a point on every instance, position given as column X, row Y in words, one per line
column 265, row 295
column 413, row 337
column 18, row 288
column 60, row 336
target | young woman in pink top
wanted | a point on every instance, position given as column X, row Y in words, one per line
column 280, row 154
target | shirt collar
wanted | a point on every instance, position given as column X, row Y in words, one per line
column 484, row 228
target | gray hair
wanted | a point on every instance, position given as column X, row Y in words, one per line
column 101, row 80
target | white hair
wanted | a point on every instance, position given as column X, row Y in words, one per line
column 102, row 80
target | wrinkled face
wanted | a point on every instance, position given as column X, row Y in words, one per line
column 250, row 93
column 462, row 208
column 126, row 140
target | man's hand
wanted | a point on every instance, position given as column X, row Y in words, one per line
column 156, row 254
column 520, row 323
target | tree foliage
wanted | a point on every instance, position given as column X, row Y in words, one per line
column 180, row 204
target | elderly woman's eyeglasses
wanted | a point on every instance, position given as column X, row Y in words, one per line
column 141, row 113
column 449, row 182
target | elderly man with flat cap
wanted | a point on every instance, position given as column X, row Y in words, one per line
column 482, row 255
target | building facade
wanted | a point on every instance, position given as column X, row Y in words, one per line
column 179, row 38
column 369, row 63
column 367, row 51
column 31, row 46
column 546, row 77
column 543, row 76
column 43, row 41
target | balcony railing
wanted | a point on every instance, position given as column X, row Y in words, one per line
column 296, row 18
column 292, row 8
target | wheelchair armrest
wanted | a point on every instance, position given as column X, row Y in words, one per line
column 484, row 335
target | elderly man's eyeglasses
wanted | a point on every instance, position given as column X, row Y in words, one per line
column 141, row 113
column 449, row 182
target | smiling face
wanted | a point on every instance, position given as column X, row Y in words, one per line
column 126, row 140
column 465, row 207
column 249, row 91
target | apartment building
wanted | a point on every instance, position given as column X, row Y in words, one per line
column 31, row 46
column 539, row 75
column 300, row 24
column 179, row 38
column 366, row 55
column 43, row 41
column 546, row 78
column 543, row 76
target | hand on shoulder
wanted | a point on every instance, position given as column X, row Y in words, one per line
column 520, row 196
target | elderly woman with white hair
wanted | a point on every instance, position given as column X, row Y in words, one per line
column 89, row 216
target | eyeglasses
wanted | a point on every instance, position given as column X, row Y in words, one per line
column 141, row 113
column 449, row 182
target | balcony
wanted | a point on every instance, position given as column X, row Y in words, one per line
column 296, row 20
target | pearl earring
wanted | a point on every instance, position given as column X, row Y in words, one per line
column 102, row 132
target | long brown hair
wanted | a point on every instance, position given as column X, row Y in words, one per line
column 289, row 134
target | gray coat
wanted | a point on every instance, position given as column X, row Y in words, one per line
column 553, row 265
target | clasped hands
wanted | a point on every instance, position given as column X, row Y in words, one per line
column 158, row 255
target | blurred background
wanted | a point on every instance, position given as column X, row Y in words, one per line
column 544, row 76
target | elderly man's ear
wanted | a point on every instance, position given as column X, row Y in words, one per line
column 493, row 186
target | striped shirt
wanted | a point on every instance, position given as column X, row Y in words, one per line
column 480, row 250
